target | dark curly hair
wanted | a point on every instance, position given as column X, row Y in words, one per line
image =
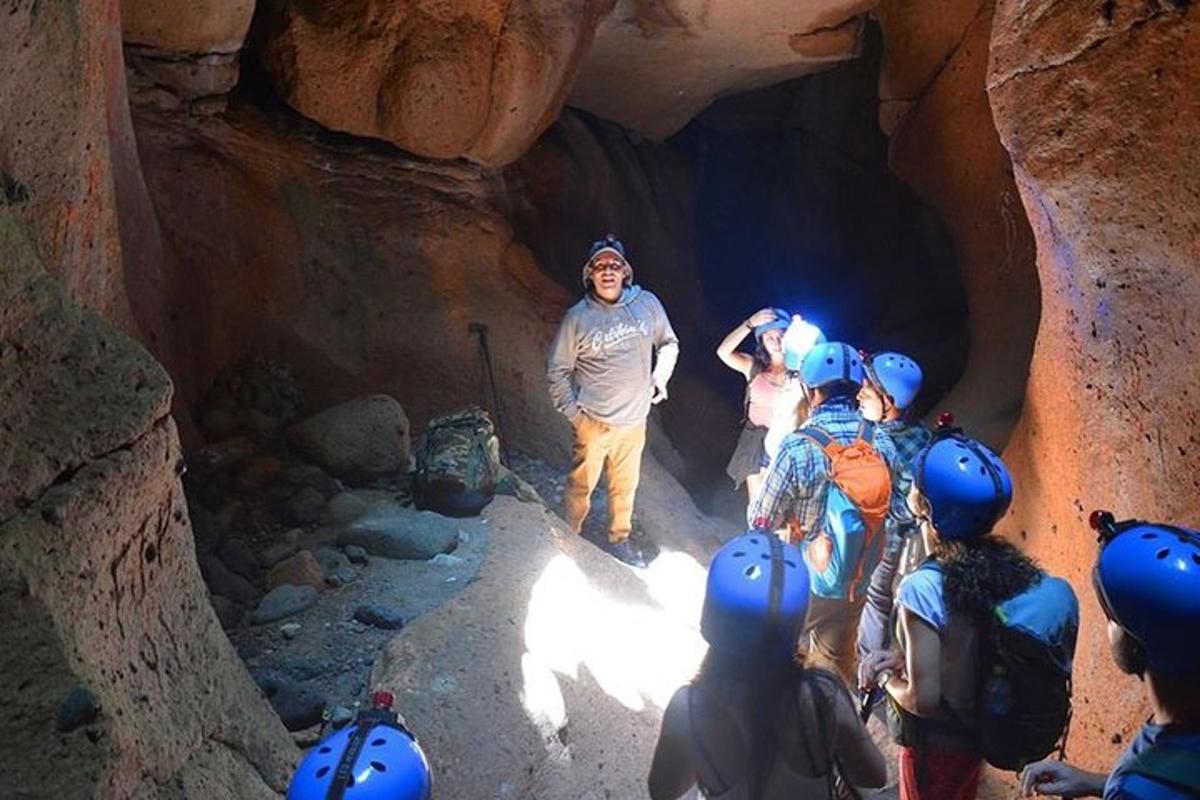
column 981, row 573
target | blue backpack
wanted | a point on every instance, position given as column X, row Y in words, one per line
column 843, row 553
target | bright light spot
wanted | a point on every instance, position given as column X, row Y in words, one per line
column 639, row 642
column 800, row 337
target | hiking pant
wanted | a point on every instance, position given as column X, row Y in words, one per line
column 933, row 773
column 596, row 444
column 831, row 627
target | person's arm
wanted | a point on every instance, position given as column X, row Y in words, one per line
column 1058, row 778
column 769, row 509
column 857, row 754
column 671, row 772
column 873, row 633
column 920, row 690
column 727, row 349
column 560, row 365
column 666, row 353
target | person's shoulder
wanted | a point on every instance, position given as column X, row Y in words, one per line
column 922, row 593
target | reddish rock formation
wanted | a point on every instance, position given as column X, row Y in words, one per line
column 947, row 149
column 201, row 26
column 1101, row 115
column 480, row 80
column 97, row 562
column 356, row 265
column 654, row 66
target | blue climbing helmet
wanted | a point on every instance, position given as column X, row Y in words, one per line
column 756, row 598
column 374, row 758
column 612, row 244
column 830, row 362
column 967, row 485
column 895, row 374
column 780, row 323
column 1147, row 577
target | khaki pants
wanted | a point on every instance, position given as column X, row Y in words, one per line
column 831, row 626
column 597, row 443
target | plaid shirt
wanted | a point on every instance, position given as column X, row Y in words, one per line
column 796, row 486
column 909, row 438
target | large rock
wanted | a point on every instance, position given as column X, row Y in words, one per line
column 479, row 80
column 1101, row 114
column 98, row 576
column 282, row 602
column 302, row 569
column 200, row 26
column 654, row 66
column 947, row 149
column 394, row 531
column 357, row 440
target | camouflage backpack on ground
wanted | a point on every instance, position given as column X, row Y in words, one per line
column 458, row 462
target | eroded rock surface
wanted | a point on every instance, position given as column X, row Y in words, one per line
column 479, row 80
column 654, row 66
column 1101, row 115
column 98, row 569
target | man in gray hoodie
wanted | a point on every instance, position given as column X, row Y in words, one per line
column 611, row 360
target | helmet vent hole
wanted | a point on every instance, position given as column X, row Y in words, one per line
column 754, row 540
column 379, row 766
column 829, row 360
column 325, row 750
column 1161, row 554
column 1196, row 558
column 792, row 564
column 765, row 557
column 752, row 572
column 983, row 471
column 963, row 460
column 322, row 772
column 378, row 742
column 1149, row 535
column 739, row 554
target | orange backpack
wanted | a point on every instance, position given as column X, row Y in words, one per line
column 844, row 552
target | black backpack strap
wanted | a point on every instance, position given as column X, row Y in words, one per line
column 1177, row 767
column 366, row 721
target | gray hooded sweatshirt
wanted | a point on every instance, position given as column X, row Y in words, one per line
column 600, row 361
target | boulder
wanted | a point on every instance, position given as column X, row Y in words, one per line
column 298, row 706
column 282, row 602
column 358, row 440
column 478, row 80
column 310, row 475
column 229, row 613
column 302, row 569
column 275, row 553
column 394, row 531
column 336, row 566
column 199, row 26
column 225, row 582
column 345, row 507
column 240, row 557
column 304, row 506
column 356, row 554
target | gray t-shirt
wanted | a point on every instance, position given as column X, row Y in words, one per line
column 607, row 356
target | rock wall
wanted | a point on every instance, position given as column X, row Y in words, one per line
column 655, row 65
column 944, row 144
column 479, row 80
column 97, row 566
column 360, row 267
column 1100, row 111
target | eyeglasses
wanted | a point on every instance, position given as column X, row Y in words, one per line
column 608, row 266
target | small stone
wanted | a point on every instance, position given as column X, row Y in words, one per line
column 304, row 507
column 345, row 507
column 297, row 706
column 340, row 717
column 290, row 630
column 356, row 554
column 228, row 612
column 302, row 569
column 276, row 553
column 336, row 565
column 283, row 601
column 239, row 557
column 78, row 709
column 378, row 616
